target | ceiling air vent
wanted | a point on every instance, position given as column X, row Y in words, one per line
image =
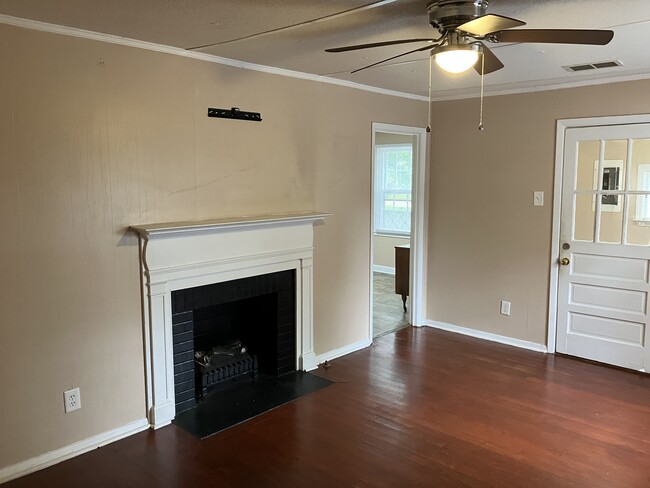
column 590, row 66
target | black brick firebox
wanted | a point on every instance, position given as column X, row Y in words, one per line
column 259, row 310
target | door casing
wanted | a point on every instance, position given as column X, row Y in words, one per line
column 418, row 229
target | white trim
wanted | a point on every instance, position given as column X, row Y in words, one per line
column 53, row 457
column 562, row 127
column 536, row 86
column 418, row 224
column 377, row 268
column 479, row 334
column 183, row 228
column 343, row 351
column 177, row 51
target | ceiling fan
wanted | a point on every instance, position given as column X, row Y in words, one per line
column 464, row 27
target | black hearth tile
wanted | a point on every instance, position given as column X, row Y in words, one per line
column 289, row 336
column 265, row 285
column 286, row 304
column 275, row 281
column 178, row 318
column 182, row 357
column 232, row 406
column 184, row 386
column 285, row 295
column 184, row 375
column 183, row 336
column 286, row 361
column 286, row 348
column 186, row 405
column 284, row 315
column 182, row 327
column 178, row 302
column 181, row 396
column 286, row 327
column 182, row 347
column 183, row 367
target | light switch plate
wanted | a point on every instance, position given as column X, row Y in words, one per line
column 538, row 198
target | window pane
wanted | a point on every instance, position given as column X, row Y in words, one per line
column 588, row 152
column 611, row 224
column 638, row 230
column 393, row 205
column 584, row 218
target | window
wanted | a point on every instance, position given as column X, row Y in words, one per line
column 643, row 201
column 393, row 181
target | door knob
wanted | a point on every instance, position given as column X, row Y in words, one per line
column 564, row 261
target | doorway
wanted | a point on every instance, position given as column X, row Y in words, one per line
column 398, row 163
column 602, row 241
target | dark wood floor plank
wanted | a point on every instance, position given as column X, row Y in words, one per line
column 419, row 408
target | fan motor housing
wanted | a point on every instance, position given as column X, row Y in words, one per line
column 446, row 15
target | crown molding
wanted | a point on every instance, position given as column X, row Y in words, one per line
column 177, row 51
column 507, row 89
column 539, row 86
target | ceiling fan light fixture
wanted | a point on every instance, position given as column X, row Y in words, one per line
column 457, row 58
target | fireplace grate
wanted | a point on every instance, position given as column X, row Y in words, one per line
column 211, row 378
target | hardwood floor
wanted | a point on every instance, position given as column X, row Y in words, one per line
column 387, row 310
column 419, row 408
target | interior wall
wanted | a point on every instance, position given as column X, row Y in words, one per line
column 95, row 137
column 490, row 243
column 384, row 249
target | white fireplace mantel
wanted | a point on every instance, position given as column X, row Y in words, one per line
column 176, row 256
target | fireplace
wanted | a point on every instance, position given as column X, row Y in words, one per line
column 227, row 332
column 200, row 277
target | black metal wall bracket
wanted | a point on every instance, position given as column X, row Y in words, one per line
column 234, row 113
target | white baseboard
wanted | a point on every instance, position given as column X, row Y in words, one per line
column 53, row 457
column 383, row 269
column 479, row 334
column 342, row 351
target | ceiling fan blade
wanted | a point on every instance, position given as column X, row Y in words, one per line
column 376, row 44
column 489, row 23
column 394, row 57
column 556, row 36
column 492, row 63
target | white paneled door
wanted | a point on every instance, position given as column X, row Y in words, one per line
column 603, row 292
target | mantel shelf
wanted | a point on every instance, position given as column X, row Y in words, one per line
column 168, row 229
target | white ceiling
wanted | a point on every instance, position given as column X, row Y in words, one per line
column 246, row 30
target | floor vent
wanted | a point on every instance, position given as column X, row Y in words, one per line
column 590, row 66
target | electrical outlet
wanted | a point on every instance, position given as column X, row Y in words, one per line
column 505, row 307
column 72, row 400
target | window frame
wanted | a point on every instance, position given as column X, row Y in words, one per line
column 380, row 192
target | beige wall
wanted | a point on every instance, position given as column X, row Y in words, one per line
column 487, row 242
column 384, row 249
column 95, row 137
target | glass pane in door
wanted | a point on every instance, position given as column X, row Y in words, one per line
column 611, row 222
column 584, row 218
column 588, row 152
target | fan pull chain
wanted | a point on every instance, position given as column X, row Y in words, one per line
column 480, row 118
column 429, row 106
